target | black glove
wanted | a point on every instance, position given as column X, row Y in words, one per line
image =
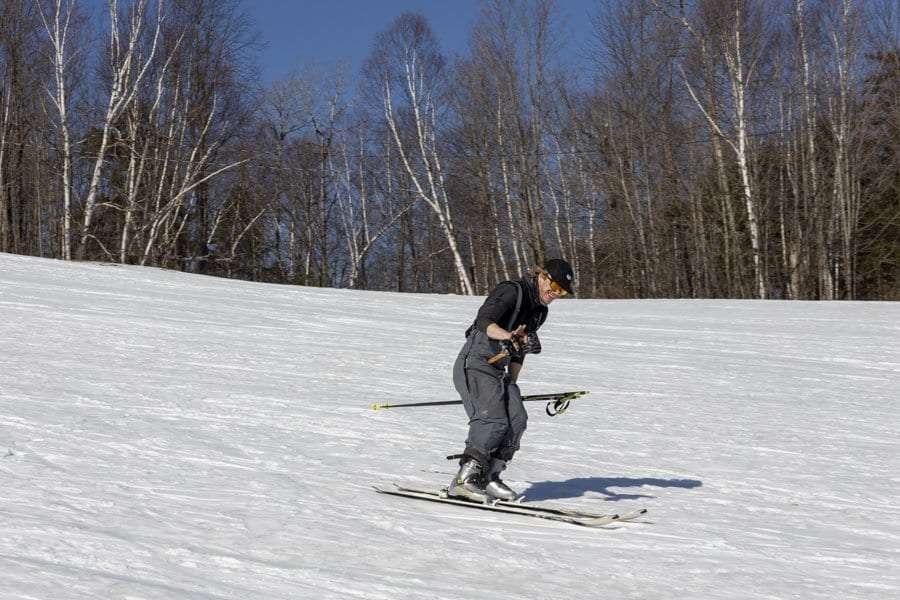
column 513, row 348
column 532, row 345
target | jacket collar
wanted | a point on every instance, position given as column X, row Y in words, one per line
column 531, row 285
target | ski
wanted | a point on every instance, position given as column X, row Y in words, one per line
column 574, row 517
column 627, row 516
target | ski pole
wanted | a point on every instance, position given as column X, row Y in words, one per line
column 559, row 402
column 410, row 404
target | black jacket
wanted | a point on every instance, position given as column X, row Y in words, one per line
column 500, row 305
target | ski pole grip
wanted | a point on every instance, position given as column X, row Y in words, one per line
column 498, row 357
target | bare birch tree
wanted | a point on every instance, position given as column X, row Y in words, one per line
column 128, row 65
column 410, row 71
column 740, row 48
column 61, row 23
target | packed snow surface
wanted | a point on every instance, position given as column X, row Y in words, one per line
column 166, row 435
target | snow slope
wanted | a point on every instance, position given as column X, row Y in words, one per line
column 165, row 435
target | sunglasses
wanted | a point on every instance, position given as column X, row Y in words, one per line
column 558, row 289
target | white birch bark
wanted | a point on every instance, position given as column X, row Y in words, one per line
column 429, row 184
column 57, row 28
column 187, row 174
column 739, row 77
column 498, row 235
column 4, row 194
column 845, row 188
column 507, row 193
column 128, row 70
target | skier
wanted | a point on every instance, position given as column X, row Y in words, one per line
column 485, row 374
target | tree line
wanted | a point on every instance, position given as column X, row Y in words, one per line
column 711, row 149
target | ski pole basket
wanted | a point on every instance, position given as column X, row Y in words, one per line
column 557, row 407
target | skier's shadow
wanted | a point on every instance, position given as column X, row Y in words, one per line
column 579, row 486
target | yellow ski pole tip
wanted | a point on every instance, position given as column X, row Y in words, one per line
column 376, row 406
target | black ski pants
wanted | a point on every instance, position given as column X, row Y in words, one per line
column 497, row 416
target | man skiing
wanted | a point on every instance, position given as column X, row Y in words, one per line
column 485, row 374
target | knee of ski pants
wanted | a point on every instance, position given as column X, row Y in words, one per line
column 489, row 422
column 518, row 416
column 518, row 422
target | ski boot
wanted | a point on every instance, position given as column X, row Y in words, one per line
column 495, row 487
column 469, row 482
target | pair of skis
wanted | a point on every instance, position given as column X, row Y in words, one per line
column 564, row 515
column 556, row 404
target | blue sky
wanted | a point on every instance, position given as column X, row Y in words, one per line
column 302, row 32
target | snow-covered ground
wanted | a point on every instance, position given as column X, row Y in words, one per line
column 165, row 435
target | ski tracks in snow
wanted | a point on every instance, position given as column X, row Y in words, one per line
column 164, row 435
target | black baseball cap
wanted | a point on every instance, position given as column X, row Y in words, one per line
column 561, row 272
